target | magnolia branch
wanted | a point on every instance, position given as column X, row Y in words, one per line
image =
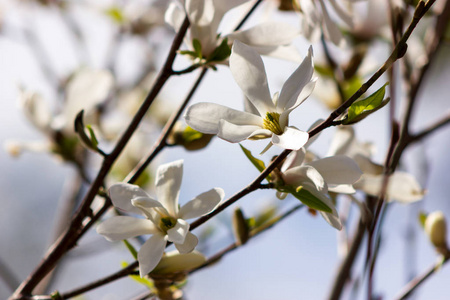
column 416, row 282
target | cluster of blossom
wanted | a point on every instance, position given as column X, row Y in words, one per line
column 316, row 181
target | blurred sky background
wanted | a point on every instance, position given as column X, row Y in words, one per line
column 295, row 260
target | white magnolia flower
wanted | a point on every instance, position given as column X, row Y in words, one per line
column 269, row 38
column 402, row 186
column 316, row 16
column 272, row 117
column 87, row 89
column 318, row 176
column 165, row 221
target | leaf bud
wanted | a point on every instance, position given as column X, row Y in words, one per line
column 241, row 229
column 436, row 229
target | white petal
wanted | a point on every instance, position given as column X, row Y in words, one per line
column 294, row 159
column 405, row 188
column 343, row 13
column 269, row 145
column 402, row 187
column 35, row 109
column 332, row 219
column 202, row 204
column 205, row 117
column 342, row 140
column 342, row 189
column 190, row 242
column 86, row 90
column 237, row 133
column 174, row 262
column 338, row 169
column 292, row 139
column 248, row 71
column 124, row 227
column 221, row 7
column 266, row 34
column 296, row 82
column 178, row 233
column 307, row 90
column 168, row 183
column 330, row 29
column 303, row 175
column 148, row 208
column 174, row 16
column 316, row 136
column 368, row 166
column 150, row 253
column 122, row 193
column 289, row 52
column 200, row 12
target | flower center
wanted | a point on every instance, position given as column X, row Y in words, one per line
column 167, row 223
column 272, row 123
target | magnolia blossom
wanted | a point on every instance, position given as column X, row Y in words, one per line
column 164, row 220
column 86, row 90
column 272, row 116
column 318, row 176
column 205, row 16
column 316, row 16
column 402, row 186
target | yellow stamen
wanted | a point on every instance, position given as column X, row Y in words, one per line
column 272, row 123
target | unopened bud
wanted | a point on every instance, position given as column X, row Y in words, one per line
column 436, row 229
column 240, row 227
column 189, row 138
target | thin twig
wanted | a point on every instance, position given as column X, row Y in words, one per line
column 162, row 140
column 417, row 281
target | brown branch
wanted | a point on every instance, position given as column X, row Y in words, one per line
column 70, row 237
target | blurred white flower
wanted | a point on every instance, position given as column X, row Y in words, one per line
column 318, row 176
column 269, row 38
column 87, row 89
column 402, row 186
column 316, row 16
column 165, row 221
column 272, row 116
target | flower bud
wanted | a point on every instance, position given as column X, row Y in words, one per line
column 189, row 138
column 436, row 229
column 240, row 227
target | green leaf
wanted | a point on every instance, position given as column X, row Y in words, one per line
column 138, row 279
column 197, row 48
column 130, row 248
column 79, row 129
column 368, row 104
column 259, row 164
column 188, row 52
column 93, row 138
column 307, row 198
column 422, row 218
column 116, row 14
column 366, row 113
column 221, row 53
